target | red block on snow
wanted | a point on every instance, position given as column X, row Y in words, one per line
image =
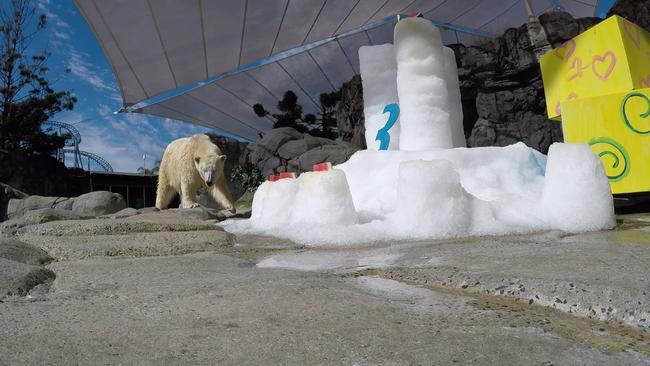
column 287, row 175
column 322, row 167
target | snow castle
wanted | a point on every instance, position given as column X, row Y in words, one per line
column 417, row 180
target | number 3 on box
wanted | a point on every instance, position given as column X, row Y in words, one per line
column 382, row 135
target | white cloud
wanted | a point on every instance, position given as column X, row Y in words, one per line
column 120, row 139
column 88, row 73
column 176, row 129
column 62, row 35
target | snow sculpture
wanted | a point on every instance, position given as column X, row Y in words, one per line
column 378, row 74
column 422, row 188
column 421, row 87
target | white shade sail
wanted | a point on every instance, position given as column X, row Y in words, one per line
column 208, row 61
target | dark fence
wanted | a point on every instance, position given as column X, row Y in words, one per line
column 138, row 190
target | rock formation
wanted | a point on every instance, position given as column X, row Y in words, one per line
column 287, row 150
column 501, row 89
column 636, row 11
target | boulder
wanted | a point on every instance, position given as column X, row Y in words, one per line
column 277, row 137
column 6, row 193
column 281, row 149
column 98, row 203
column 127, row 212
column 636, row 11
column 10, row 227
column 49, row 214
column 559, row 27
column 271, row 165
column 296, row 148
column 18, row 207
column 17, row 279
column 16, row 250
column 335, row 154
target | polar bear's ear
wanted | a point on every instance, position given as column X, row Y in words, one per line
column 222, row 157
column 197, row 159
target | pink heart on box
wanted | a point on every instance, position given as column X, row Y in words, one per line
column 609, row 55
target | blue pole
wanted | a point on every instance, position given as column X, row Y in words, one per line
column 603, row 7
column 556, row 5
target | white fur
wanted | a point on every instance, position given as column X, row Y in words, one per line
column 186, row 166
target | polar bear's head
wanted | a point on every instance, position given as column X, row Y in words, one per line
column 209, row 167
column 208, row 160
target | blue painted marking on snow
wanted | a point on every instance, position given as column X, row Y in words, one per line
column 603, row 7
column 382, row 135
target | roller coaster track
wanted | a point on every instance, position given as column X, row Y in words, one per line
column 94, row 157
column 73, row 139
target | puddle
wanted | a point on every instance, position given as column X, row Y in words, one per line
column 631, row 237
column 421, row 298
column 315, row 260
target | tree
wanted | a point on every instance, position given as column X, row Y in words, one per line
column 321, row 125
column 291, row 115
column 27, row 98
column 327, row 115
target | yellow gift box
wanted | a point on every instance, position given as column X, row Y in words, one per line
column 611, row 57
column 617, row 127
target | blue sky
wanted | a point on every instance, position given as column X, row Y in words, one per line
column 122, row 139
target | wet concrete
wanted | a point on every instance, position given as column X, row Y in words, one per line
column 162, row 295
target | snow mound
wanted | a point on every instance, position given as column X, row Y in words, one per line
column 323, row 198
column 430, row 200
column 411, row 195
column 577, row 195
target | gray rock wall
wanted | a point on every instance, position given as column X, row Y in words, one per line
column 636, row 11
column 349, row 113
column 501, row 86
column 287, row 150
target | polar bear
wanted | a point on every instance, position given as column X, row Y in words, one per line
column 188, row 164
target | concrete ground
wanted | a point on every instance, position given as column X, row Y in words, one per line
column 173, row 288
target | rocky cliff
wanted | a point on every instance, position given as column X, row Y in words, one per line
column 636, row 11
column 502, row 80
column 501, row 89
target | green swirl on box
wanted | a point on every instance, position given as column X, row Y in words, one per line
column 644, row 115
column 607, row 147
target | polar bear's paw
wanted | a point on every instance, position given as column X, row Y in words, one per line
column 191, row 205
